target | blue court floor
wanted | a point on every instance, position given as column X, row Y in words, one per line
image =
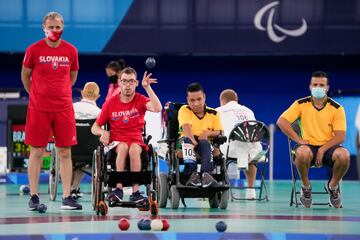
column 245, row 219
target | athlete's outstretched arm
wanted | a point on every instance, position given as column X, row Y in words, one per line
column 154, row 105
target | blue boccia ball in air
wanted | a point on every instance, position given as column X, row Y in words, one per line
column 221, row 226
column 42, row 208
column 150, row 62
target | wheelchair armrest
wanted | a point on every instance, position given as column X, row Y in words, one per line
column 217, row 141
column 166, row 141
column 147, row 139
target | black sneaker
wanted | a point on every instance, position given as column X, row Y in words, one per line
column 69, row 203
column 137, row 197
column 335, row 196
column 34, row 202
column 116, row 196
column 305, row 197
column 194, row 180
column 208, row 180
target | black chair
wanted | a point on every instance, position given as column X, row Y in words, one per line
column 81, row 154
column 294, row 198
column 172, row 184
column 243, row 137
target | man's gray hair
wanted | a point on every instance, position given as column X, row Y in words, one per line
column 53, row 15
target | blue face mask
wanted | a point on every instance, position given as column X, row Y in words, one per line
column 318, row 92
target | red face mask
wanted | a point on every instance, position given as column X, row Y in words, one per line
column 52, row 35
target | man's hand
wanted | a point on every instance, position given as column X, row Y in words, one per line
column 105, row 137
column 147, row 80
column 204, row 136
column 319, row 157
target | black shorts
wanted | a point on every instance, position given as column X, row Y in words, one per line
column 328, row 155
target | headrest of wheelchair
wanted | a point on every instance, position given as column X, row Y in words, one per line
column 173, row 106
column 170, row 109
column 250, row 131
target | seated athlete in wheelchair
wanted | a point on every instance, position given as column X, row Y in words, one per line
column 125, row 114
column 85, row 109
column 200, row 128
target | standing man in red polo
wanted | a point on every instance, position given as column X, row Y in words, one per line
column 49, row 71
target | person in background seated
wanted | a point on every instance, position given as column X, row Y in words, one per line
column 323, row 129
column 198, row 124
column 85, row 109
column 231, row 114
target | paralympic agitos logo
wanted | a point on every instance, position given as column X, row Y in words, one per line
column 281, row 33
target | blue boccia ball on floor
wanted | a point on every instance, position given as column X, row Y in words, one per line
column 139, row 224
column 146, row 224
column 24, row 189
column 42, row 208
column 221, row 226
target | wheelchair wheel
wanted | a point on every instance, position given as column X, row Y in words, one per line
column 154, row 209
column 174, row 197
column 53, row 175
column 102, row 208
column 97, row 185
column 163, row 190
column 214, row 200
column 224, row 199
column 93, row 181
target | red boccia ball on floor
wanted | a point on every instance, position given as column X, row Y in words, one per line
column 124, row 224
column 166, row 225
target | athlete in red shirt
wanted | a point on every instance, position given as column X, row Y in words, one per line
column 49, row 71
column 125, row 113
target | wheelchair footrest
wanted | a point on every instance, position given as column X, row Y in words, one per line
column 195, row 192
column 214, row 188
column 129, row 204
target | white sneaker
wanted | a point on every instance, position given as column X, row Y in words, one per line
column 250, row 194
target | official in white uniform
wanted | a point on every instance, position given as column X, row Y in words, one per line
column 85, row 109
column 231, row 114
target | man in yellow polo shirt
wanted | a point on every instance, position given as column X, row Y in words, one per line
column 198, row 124
column 323, row 129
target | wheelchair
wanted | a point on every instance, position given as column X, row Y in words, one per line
column 171, row 185
column 105, row 177
column 250, row 136
column 82, row 155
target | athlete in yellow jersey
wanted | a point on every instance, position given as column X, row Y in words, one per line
column 323, row 129
column 198, row 123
